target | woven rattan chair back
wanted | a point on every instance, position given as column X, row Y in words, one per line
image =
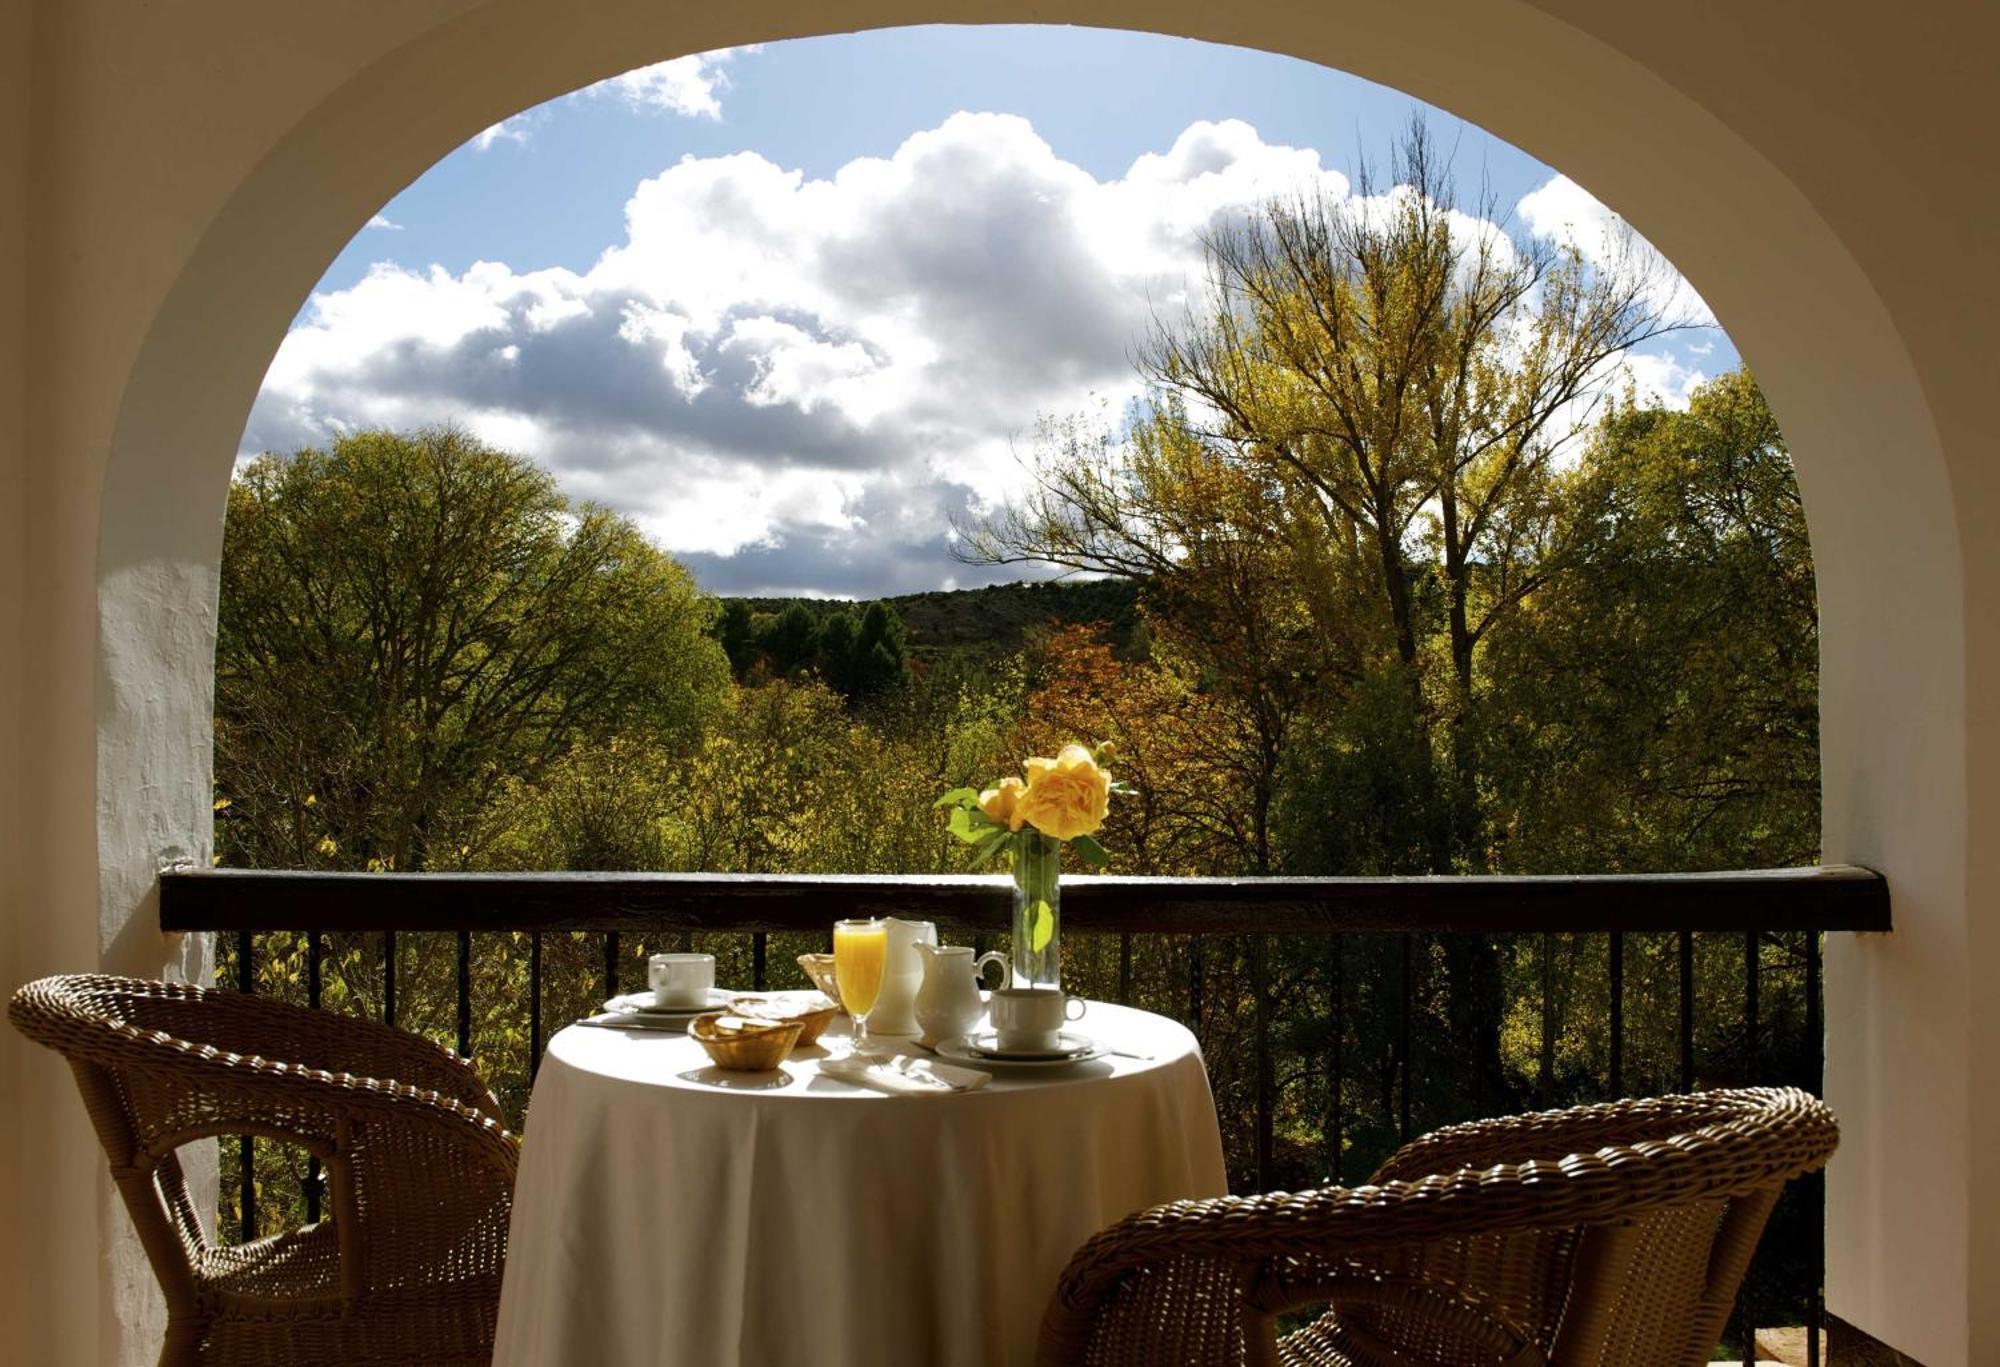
column 1604, row 1236
column 419, row 1170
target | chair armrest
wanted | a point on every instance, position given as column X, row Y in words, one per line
column 369, row 1049
column 264, row 1085
column 336, row 1043
column 1551, row 1135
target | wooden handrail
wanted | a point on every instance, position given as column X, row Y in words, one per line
column 1828, row 897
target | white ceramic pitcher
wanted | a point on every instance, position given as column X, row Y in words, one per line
column 902, row 972
column 948, row 1003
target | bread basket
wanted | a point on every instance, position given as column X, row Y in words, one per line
column 755, row 1047
column 812, row 1011
column 819, row 967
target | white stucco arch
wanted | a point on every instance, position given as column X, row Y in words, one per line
column 326, row 115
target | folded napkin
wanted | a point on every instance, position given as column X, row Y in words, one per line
column 904, row 1074
column 632, row 1020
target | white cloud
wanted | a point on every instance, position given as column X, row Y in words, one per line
column 796, row 381
column 1564, row 212
column 690, row 85
column 511, row 129
column 384, row 223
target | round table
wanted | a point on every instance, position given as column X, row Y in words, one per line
column 669, row 1212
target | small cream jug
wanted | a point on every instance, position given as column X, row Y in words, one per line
column 948, row 1003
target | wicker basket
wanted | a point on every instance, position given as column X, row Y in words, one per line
column 756, row 1050
column 811, row 1012
column 819, row 967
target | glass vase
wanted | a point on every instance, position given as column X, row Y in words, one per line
column 1037, row 911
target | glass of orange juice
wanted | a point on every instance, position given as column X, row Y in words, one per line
column 860, row 952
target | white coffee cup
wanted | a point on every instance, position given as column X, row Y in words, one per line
column 680, row 979
column 1030, row 1019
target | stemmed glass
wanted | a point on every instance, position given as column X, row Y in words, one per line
column 860, row 953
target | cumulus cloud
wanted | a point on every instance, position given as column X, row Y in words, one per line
column 795, row 383
column 384, row 223
column 1564, row 212
column 511, row 129
column 690, row 85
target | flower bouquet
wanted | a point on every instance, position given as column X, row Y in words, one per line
column 1060, row 801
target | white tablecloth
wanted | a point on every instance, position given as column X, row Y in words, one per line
column 671, row 1213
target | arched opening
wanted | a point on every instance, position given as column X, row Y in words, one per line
column 636, row 363
column 1803, row 309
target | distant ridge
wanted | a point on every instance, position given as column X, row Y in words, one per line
column 995, row 619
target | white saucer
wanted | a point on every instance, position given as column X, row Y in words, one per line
column 641, row 1004
column 970, row 1051
column 987, row 1045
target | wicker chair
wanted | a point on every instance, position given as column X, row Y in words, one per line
column 420, row 1170
column 1605, row 1236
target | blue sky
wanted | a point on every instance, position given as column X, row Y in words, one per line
column 794, row 307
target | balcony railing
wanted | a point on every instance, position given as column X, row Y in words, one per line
column 1335, row 962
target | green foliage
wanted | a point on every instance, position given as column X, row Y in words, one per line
column 1683, row 631
column 861, row 657
column 406, row 624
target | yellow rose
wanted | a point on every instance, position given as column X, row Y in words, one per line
column 1066, row 796
column 1002, row 804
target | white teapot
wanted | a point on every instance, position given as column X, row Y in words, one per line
column 948, row 1003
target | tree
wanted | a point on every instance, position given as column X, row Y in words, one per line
column 1345, row 479
column 879, row 653
column 408, row 621
column 1684, row 731
column 1190, row 811
column 1408, row 375
column 1207, row 543
column 788, row 639
column 735, row 630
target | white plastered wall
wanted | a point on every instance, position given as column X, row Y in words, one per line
column 173, row 178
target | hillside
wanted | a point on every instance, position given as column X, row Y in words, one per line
column 993, row 619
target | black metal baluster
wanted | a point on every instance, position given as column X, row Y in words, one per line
column 465, row 994
column 388, row 977
column 1548, row 1063
column 1124, row 968
column 246, row 1145
column 1337, row 1013
column 1260, row 991
column 313, row 947
column 1194, row 985
column 1752, row 971
column 1403, row 1033
column 758, row 950
column 534, row 1003
column 1815, row 1182
column 1687, row 1011
column 610, row 964
column 1746, row 1322
column 1617, row 1013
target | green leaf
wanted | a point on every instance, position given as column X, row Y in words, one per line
column 1045, row 926
column 957, row 797
column 971, row 826
column 992, row 848
column 1089, row 851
